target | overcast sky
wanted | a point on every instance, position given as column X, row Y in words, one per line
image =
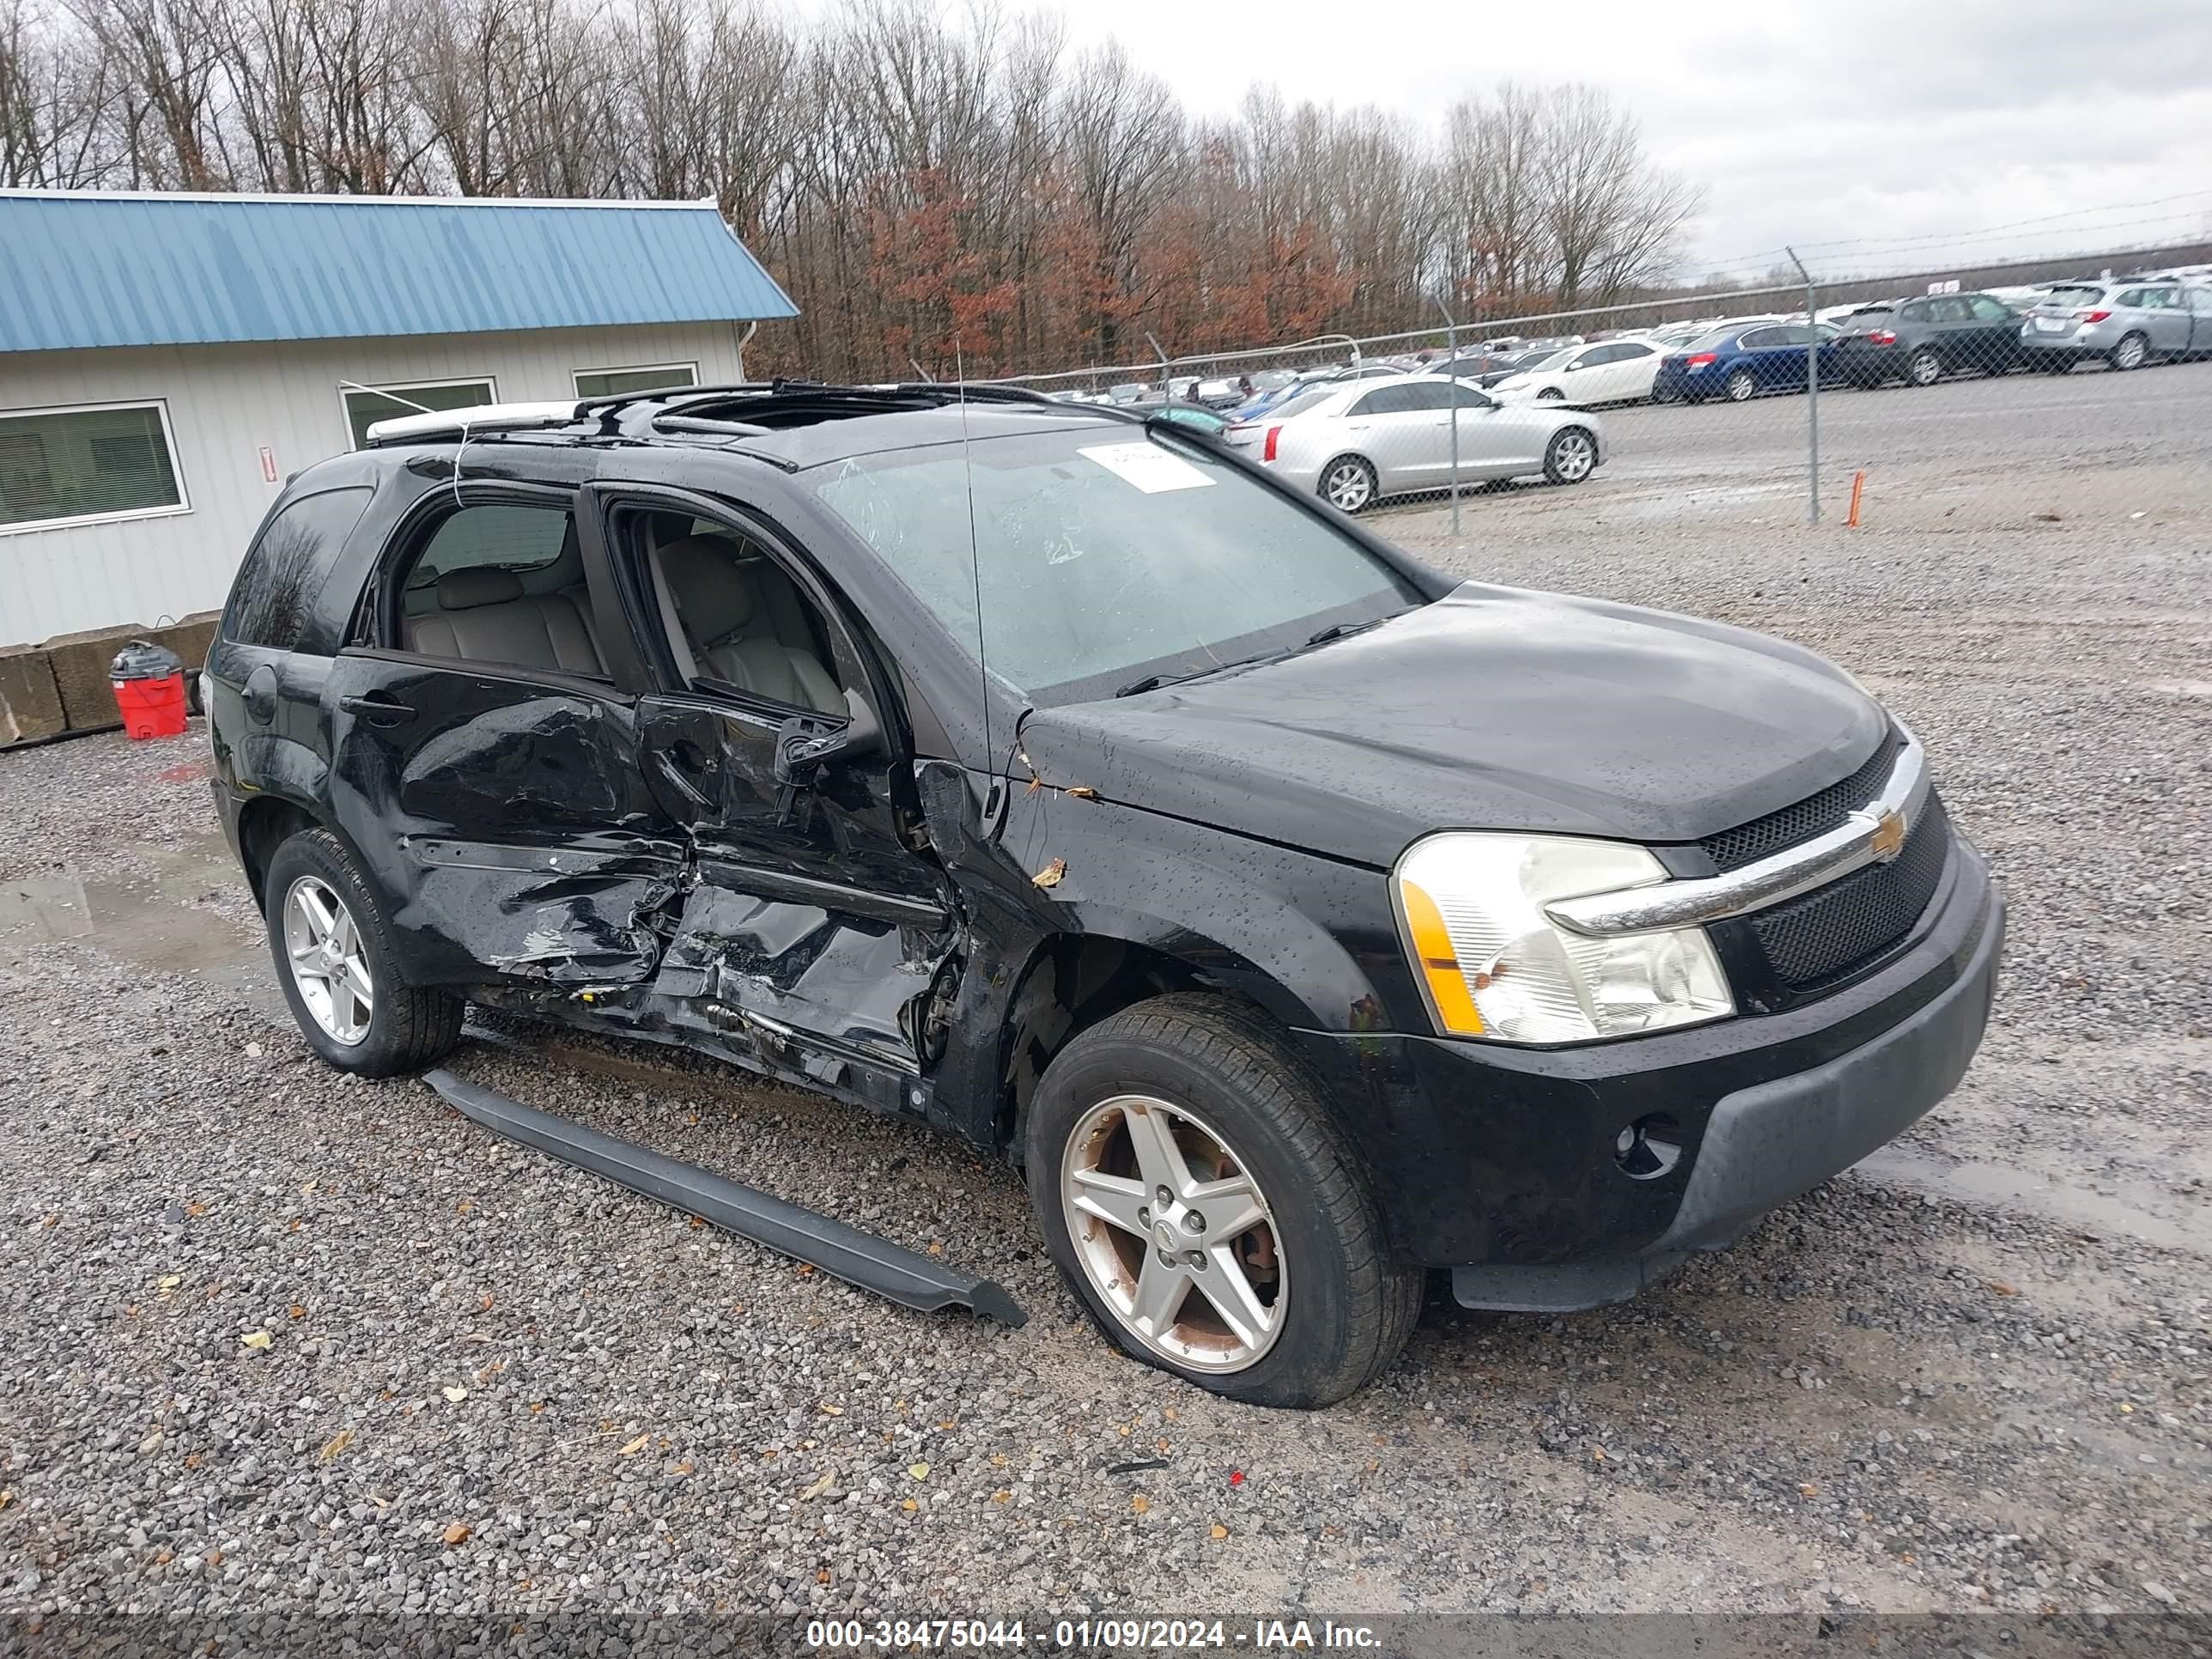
column 1863, row 123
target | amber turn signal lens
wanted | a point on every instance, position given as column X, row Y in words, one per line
column 1439, row 963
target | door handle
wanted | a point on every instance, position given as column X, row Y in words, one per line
column 377, row 711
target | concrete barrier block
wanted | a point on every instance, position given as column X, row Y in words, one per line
column 80, row 663
column 30, row 702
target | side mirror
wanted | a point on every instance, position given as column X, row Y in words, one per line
column 806, row 742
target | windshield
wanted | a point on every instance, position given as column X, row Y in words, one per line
column 1102, row 559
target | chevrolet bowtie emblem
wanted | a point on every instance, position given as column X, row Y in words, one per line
column 1888, row 838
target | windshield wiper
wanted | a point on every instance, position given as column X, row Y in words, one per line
column 1344, row 630
column 1334, row 631
column 1154, row 682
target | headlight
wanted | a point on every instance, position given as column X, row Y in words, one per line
column 1492, row 964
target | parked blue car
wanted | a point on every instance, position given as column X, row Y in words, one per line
column 1739, row 363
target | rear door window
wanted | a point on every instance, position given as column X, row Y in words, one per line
column 1384, row 400
column 275, row 601
column 1427, row 394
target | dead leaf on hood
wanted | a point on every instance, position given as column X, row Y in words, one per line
column 1084, row 792
column 1050, row 875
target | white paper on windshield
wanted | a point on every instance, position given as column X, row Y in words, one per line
column 1148, row 466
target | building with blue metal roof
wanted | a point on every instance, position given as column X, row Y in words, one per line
column 166, row 361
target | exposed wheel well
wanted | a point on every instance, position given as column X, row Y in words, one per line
column 1073, row 983
column 264, row 825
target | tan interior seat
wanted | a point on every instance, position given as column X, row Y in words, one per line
column 484, row 615
column 745, row 622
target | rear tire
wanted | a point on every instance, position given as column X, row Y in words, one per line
column 1924, row 369
column 1742, row 387
column 1222, row 1080
column 1349, row 484
column 2131, row 352
column 332, row 948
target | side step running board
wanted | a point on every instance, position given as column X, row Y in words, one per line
column 858, row 1258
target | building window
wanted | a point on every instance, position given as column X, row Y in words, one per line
column 386, row 403
column 621, row 382
column 86, row 465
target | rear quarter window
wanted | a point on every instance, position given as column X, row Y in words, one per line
column 275, row 600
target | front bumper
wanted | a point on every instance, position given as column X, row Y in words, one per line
column 1502, row 1163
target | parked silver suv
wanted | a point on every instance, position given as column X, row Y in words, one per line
column 2127, row 324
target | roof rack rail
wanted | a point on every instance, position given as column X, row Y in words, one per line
column 478, row 420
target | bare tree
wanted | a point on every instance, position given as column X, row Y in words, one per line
column 925, row 188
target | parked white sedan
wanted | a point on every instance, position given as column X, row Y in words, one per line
column 1611, row 372
column 1353, row 444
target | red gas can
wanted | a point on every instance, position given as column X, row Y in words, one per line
column 149, row 689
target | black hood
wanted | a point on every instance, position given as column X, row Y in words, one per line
column 1492, row 708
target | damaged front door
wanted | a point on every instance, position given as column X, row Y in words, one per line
column 483, row 761
column 818, row 936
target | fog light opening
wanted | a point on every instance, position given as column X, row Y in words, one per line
column 1648, row 1148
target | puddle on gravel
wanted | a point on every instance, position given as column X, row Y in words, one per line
column 154, row 923
column 2129, row 1211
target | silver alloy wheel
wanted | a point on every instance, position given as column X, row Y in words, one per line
column 1741, row 386
column 1174, row 1234
column 2130, row 352
column 323, row 944
column 1925, row 370
column 1348, row 486
column 1573, row 455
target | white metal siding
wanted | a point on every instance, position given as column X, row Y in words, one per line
column 225, row 402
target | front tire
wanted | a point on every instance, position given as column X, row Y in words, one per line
column 1207, row 1211
column 334, row 958
column 1348, row 484
column 1571, row 457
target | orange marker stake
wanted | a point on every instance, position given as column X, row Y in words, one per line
column 1858, row 483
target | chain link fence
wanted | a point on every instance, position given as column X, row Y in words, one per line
column 1479, row 402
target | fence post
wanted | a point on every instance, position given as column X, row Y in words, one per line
column 1812, row 384
column 1451, row 380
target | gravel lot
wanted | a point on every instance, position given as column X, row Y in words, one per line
column 275, row 1338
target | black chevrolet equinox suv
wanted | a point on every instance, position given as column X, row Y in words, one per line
column 1296, row 918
